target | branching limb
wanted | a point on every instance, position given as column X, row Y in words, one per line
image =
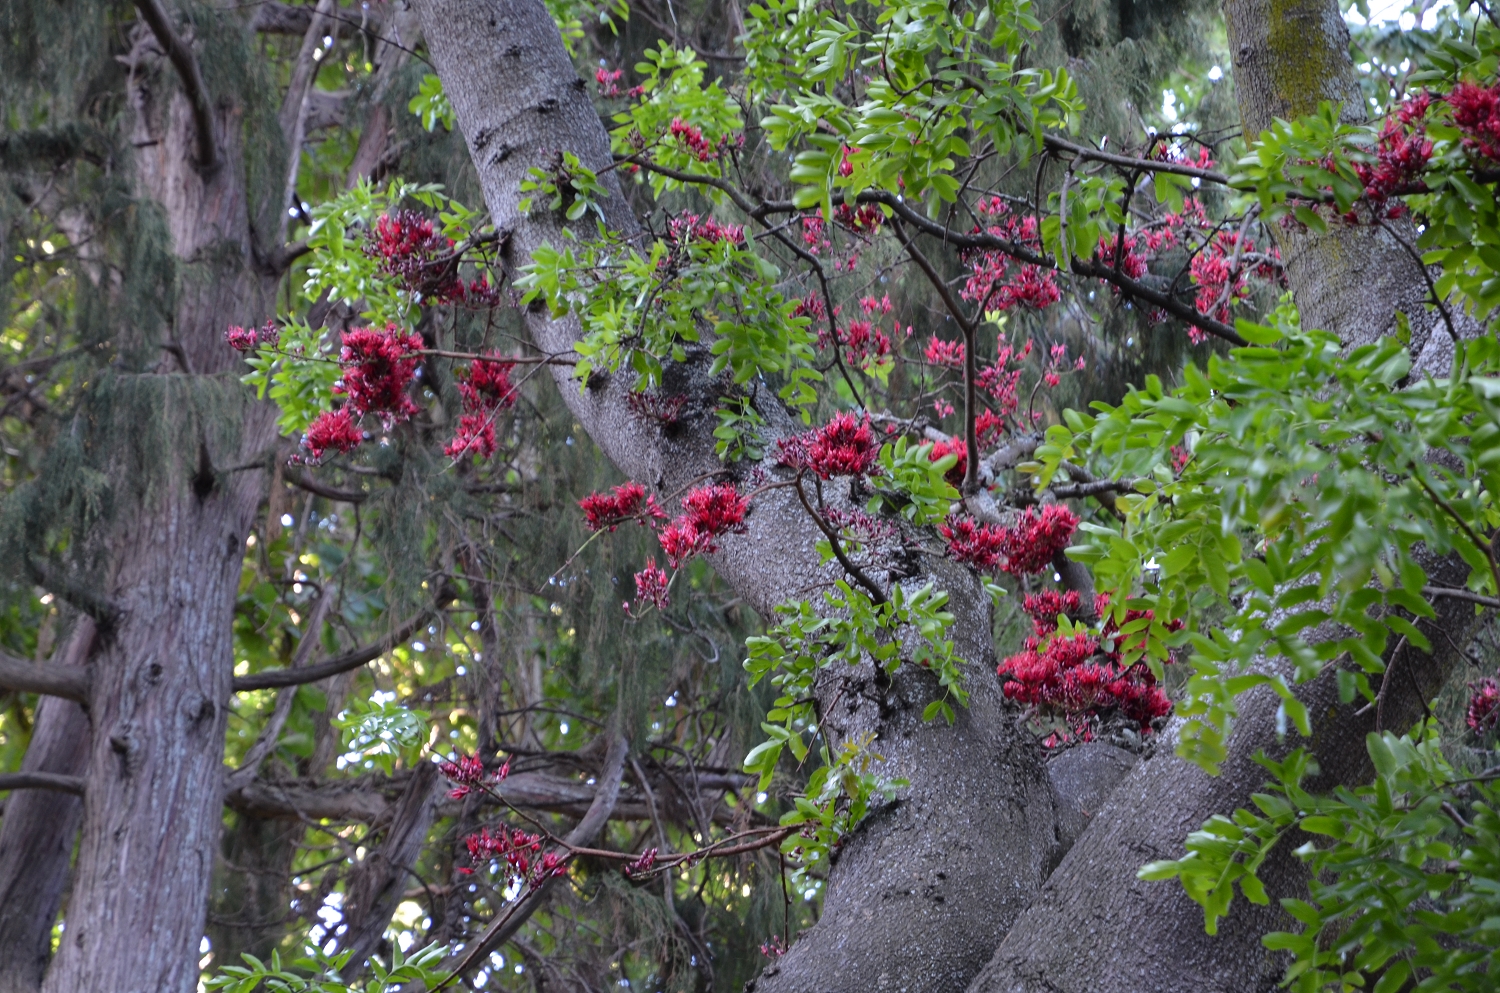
column 332, row 667
column 41, row 781
column 70, row 682
column 186, row 64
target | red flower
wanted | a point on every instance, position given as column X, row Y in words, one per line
column 334, row 429
column 999, row 283
column 946, row 353
column 1031, row 545
column 1476, row 111
column 692, row 139
column 651, row 586
column 690, row 227
column 1044, row 608
column 240, row 339
column 486, row 385
column 954, row 446
column 378, row 367
column 978, row 545
column 655, row 406
column 1484, row 705
column 468, row 772
column 610, row 510
column 409, row 249
column 475, row 436
column 1401, row 152
column 842, row 447
column 712, row 512
column 609, row 81
column 642, row 864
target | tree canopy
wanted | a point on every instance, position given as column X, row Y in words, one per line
column 989, row 496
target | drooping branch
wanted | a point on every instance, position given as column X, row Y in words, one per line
column 71, row 682
column 332, row 667
column 186, row 64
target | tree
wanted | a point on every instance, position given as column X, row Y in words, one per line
column 700, row 327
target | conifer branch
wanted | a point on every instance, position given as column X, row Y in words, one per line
column 186, row 64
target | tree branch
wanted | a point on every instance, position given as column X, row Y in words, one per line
column 353, row 660
column 1056, row 144
column 506, row 925
column 311, row 485
column 71, row 682
column 41, row 781
column 186, row 64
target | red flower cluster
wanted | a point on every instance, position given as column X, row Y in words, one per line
column 842, row 447
column 517, row 849
column 978, row 545
column 1476, row 111
column 409, row 249
column 1071, row 677
column 712, row 512
column 1031, row 545
column 692, row 139
column 248, row 339
column 628, row 501
column 864, row 343
column 1484, row 705
column 608, row 80
column 996, row 281
column 865, row 219
column 812, row 234
column 954, row 446
column 945, row 353
column 1220, row 275
column 1401, row 153
column 468, row 773
column 378, row 367
column 1129, row 261
column 1043, row 608
column 655, row 406
column 334, row 430
column 642, row 864
column 486, row 389
column 690, row 227
column 651, row 586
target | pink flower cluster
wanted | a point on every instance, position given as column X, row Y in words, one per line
column 690, row 227
column 469, row 775
column 944, row 353
column 378, row 367
column 608, row 80
column 412, row 251
column 248, row 339
column 842, row 447
column 1130, row 262
column 651, row 586
column 1023, row 550
column 998, row 282
column 1484, row 705
column 953, row 446
column 1476, row 111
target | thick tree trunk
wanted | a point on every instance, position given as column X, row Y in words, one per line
column 163, row 667
column 1096, row 927
column 39, row 829
column 923, row 890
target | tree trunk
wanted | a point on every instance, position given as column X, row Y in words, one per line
column 39, row 829
column 926, row 887
column 164, row 664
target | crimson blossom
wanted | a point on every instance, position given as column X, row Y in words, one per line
column 842, row 447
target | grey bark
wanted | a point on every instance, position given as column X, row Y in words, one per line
column 40, row 827
column 926, row 887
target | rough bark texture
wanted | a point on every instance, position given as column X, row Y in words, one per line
column 1095, row 927
column 163, row 668
column 924, row 890
column 38, row 830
